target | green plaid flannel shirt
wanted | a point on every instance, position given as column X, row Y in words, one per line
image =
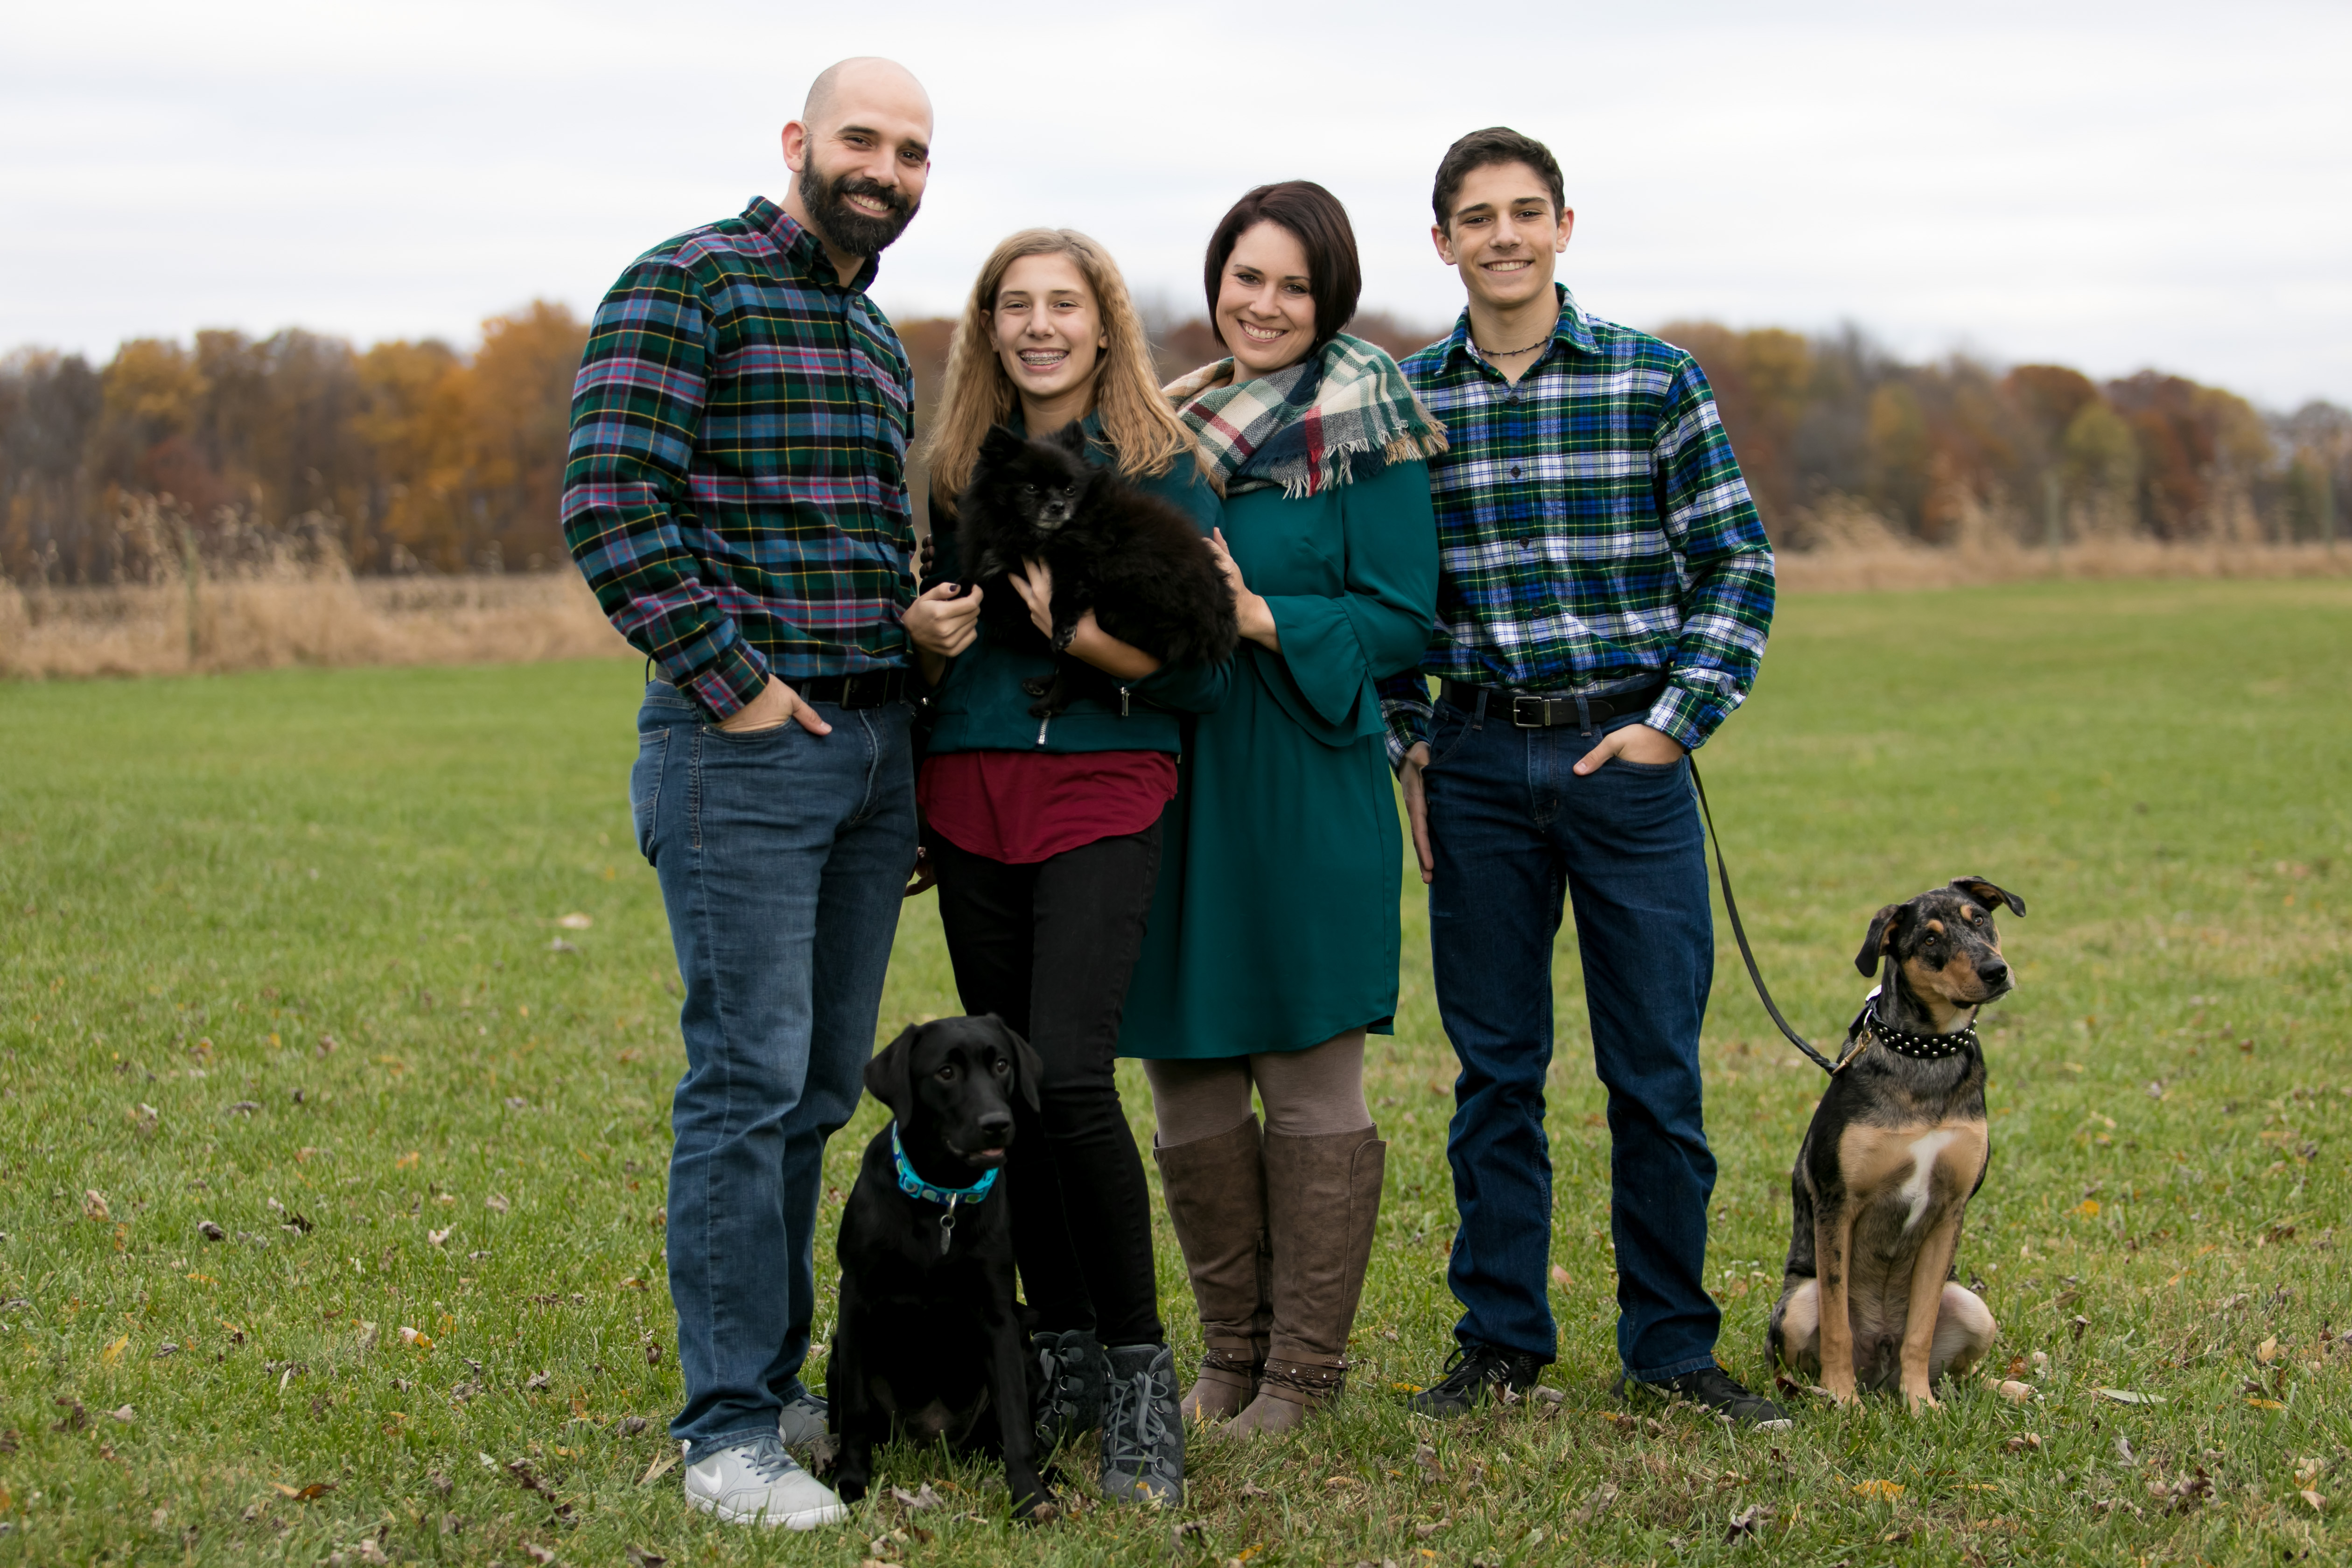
column 1594, row 531
column 736, row 488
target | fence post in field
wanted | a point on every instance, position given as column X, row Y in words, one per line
column 2054, row 519
column 188, row 575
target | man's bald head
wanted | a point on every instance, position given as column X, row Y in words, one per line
column 859, row 154
column 860, row 77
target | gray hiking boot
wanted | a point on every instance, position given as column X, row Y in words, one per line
column 1066, row 1388
column 1142, row 1431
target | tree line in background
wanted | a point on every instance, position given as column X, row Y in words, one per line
column 414, row 457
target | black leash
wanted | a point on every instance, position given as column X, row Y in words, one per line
column 1731, row 908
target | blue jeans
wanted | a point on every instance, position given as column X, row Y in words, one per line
column 782, row 859
column 1513, row 828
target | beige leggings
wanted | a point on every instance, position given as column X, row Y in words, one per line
column 1306, row 1093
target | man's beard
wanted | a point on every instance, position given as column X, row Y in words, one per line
column 843, row 227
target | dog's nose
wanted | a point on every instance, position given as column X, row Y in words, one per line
column 1993, row 973
column 996, row 1125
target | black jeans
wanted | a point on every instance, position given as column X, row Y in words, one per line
column 1049, row 949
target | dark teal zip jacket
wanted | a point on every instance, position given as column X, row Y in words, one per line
column 981, row 707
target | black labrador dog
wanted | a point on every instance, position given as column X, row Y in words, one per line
column 928, row 1344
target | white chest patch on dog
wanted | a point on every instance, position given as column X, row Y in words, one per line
column 1924, row 1154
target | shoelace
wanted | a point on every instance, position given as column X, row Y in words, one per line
column 769, row 1460
column 1061, row 1380
column 1132, row 1426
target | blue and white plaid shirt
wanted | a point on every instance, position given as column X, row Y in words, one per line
column 1593, row 528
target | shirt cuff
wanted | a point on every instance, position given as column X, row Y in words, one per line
column 1688, row 715
column 730, row 684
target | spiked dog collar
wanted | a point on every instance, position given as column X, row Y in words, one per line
column 1868, row 1027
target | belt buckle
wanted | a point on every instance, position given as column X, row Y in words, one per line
column 1542, row 712
column 860, row 690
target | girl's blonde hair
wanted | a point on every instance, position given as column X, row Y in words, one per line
column 1136, row 420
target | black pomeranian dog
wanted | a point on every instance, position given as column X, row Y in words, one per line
column 1138, row 562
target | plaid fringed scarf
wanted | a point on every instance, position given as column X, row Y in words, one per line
column 1302, row 426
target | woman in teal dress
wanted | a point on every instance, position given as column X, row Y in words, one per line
column 1271, row 948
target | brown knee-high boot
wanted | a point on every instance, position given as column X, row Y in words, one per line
column 1323, row 1198
column 1215, row 1189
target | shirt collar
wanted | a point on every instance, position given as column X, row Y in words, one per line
column 803, row 252
column 1571, row 329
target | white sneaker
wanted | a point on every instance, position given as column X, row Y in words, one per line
column 757, row 1483
column 801, row 1421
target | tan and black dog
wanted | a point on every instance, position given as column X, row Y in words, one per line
column 1897, row 1147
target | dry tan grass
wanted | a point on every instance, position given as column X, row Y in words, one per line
column 319, row 614
column 1895, row 565
column 316, row 615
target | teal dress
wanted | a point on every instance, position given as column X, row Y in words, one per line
column 1274, row 926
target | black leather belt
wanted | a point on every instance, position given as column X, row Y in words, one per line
column 1546, row 709
column 868, row 689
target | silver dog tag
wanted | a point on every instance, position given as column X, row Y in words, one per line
column 947, row 1227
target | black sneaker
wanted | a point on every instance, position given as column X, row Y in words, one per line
column 1142, row 1430
column 1065, row 1384
column 1714, row 1389
column 1475, row 1370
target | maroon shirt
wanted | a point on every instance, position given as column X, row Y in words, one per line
column 1022, row 807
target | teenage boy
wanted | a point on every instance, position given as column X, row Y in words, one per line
column 737, row 497
column 1604, row 596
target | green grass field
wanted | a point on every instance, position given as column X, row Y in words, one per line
column 285, row 969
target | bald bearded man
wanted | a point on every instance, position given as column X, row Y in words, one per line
column 737, row 497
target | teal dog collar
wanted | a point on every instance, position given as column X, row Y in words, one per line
column 914, row 1187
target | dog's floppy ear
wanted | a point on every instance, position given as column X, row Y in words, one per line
column 1989, row 893
column 1028, row 1068
column 1875, row 941
column 887, row 1075
column 1000, row 445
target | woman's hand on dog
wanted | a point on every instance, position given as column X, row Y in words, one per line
column 1121, row 660
column 1255, row 615
column 941, row 625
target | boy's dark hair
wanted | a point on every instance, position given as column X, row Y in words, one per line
column 1481, row 148
column 1316, row 220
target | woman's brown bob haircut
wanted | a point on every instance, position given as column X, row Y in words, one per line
column 1316, row 220
column 1483, row 149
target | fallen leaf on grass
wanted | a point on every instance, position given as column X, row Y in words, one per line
column 210, row 1231
column 643, row 1558
column 545, row 1556
column 1559, row 1277
column 407, row 1161
column 662, row 1464
column 1885, row 1491
column 438, row 1237
column 537, row 1380
column 2267, row 1352
column 1251, row 1489
column 576, row 921
column 2127, row 1396
column 495, row 1203
column 1340, row 1483
column 303, row 1494
column 1748, row 1522
column 1426, row 1458
column 124, row 1414
column 2318, row 1504
column 923, row 1499
column 93, row 1204
column 113, row 1352
column 2016, row 1392
column 76, row 1417
column 2265, row 1405
column 2021, row 1444
column 1596, row 1505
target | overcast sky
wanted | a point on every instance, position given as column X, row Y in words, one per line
column 2111, row 186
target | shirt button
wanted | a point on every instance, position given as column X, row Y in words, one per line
column 1527, row 544
column 1515, row 470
